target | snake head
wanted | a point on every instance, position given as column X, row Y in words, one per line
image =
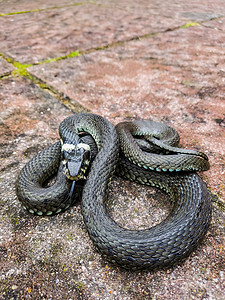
column 76, row 160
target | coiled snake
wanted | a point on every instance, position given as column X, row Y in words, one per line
column 148, row 155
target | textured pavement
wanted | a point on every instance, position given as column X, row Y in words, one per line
column 162, row 60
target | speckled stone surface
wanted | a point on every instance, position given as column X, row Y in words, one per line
column 175, row 76
column 14, row 6
column 35, row 36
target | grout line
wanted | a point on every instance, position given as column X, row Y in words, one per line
column 5, row 75
column 21, row 68
column 21, row 71
column 54, row 59
column 120, row 43
column 47, row 8
column 62, row 97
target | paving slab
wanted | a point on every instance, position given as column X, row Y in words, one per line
column 14, row 6
column 177, row 77
column 192, row 10
column 36, row 36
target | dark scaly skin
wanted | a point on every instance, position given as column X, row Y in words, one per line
column 30, row 192
column 164, row 244
column 159, row 246
column 163, row 136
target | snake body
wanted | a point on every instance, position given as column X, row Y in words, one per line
column 162, row 245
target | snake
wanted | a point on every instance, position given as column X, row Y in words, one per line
column 90, row 151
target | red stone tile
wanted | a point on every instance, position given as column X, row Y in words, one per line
column 29, row 118
column 177, row 10
column 13, row 6
column 36, row 36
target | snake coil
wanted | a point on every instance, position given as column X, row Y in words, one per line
column 149, row 155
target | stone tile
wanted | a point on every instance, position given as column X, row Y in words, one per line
column 91, row 25
column 14, row 6
column 5, row 68
column 189, row 10
column 192, row 10
column 28, row 119
column 177, row 77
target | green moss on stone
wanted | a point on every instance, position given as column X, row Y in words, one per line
column 21, row 70
column 189, row 24
column 54, row 59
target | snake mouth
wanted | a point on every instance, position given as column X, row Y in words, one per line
column 76, row 160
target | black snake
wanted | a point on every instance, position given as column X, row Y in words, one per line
column 149, row 155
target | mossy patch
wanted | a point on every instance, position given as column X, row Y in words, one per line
column 21, row 70
column 54, row 59
column 190, row 24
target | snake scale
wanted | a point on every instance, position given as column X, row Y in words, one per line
column 143, row 151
